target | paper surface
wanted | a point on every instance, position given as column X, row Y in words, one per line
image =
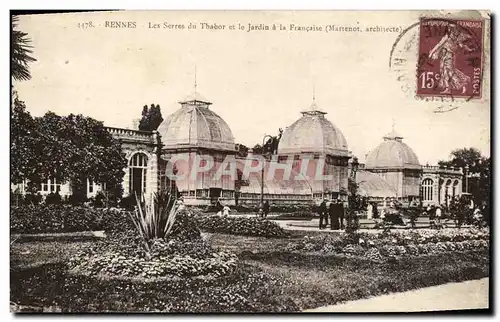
column 363, row 80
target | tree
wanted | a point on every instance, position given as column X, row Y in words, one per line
column 20, row 53
column 479, row 172
column 151, row 118
column 355, row 202
column 24, row 143
column 463, row 157
column 72, row 148
column 241, row 150
column 257, row 149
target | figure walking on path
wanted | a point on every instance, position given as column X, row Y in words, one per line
column 334, row 215
column 322, row 214
column 341, row 213
column 369, row 211
column 266, row 208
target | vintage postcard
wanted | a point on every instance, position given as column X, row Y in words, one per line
column 250, row 161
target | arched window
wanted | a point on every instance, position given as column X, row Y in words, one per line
column 427, row 189
column 137, row 168
column 455, row 188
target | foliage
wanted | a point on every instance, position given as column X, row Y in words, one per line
column 240, row 226
column 479, row 183
column 32, row 199
column 278, row 282
column 167, row 258
column 241, row 150
column 151, row 118
column 389, row 244
column 355, row 202
column 128, row 202
column 25, row 143
column 257, row 149
column 32, row 219
column 155, row 220
column 73, row 147
column 53, row 199
column 20, row 53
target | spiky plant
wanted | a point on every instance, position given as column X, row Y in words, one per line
column 156, row 220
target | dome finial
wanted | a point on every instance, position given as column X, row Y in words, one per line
column 393, row 123
column 195, row 84
column 314, row 92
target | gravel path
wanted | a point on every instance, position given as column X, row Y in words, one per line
column 453, row 296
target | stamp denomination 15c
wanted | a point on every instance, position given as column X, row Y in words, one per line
column 450, row 58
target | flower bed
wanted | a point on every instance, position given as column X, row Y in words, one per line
column 274, row 287
column 123, row 256
column 382, row 246
column 240, row 226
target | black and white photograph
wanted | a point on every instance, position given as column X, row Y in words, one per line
column 250, row 161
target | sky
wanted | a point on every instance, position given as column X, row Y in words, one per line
column 258, row 81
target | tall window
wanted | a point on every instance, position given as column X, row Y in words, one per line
column 138, row 166
column 455, row 188
column 51, row 185
column 427, row 187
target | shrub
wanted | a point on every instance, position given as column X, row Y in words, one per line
column 125, row 256
column 66, row 218
column 77, row 198
column 53, row 199
column 240, row 226
column 128, row 202
column 99, row 200
column 33, row 199
column 394, row 244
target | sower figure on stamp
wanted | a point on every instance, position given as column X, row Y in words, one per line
column 451, row 77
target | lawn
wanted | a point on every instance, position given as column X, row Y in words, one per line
column 268, row 279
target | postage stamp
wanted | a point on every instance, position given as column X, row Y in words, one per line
column 450, row 59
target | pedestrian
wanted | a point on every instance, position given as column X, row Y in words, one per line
column 322, row 212
column 375, row 210
column 180, row 204
column 341, row 210
column 225, row 211
column 369, row 211
column 327, row 211
column 478, row 218
column 219, row 206
column 334, row 215
column 266, row 208
column 438, row 217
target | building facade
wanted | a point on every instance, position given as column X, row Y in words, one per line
column 312, row 145
column 318, row 149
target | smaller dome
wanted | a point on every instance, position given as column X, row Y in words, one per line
column 393, row 153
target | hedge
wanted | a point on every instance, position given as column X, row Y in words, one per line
column 244, row 226
column 68, row 218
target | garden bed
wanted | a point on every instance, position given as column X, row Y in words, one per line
column 271, row 282
column 245, row 226
column 267, row 278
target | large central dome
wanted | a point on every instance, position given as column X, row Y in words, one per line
column 313, row 133
column 393, row 153
column 196, row 125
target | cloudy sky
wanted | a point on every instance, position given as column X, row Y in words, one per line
column 258, row 80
